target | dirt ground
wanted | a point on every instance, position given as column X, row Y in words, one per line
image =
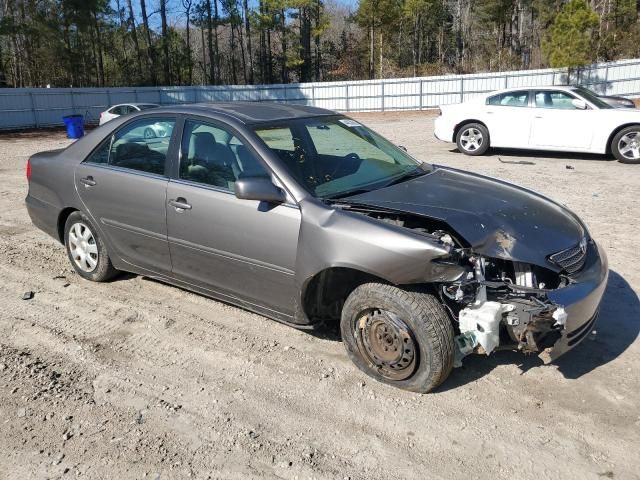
column 137, row 379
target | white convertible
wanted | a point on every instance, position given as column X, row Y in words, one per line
column 566, row 119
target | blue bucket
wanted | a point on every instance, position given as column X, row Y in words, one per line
column 74, row 125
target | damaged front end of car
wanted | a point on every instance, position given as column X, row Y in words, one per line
column 501, row 304
column 507, row 304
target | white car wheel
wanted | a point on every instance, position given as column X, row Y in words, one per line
column 473, row 139
column 626, row 145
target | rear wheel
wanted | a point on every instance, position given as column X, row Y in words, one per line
column 473, row 139
column 86, row 250
column 625, row 146
column 398, row 337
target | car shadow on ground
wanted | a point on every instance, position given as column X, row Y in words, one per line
column 539, row 154
column 617, row 328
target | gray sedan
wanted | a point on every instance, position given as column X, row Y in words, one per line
column 310, row 218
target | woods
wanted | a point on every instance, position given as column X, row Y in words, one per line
column 83, row 43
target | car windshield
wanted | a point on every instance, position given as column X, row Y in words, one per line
column 337, row 157
column 591, row 97
column 147, row 106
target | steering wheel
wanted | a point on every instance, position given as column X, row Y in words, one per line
column 349, row 156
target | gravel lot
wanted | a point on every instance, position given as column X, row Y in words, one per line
column 137, row 379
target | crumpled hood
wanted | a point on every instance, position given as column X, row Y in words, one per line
column 497, row 219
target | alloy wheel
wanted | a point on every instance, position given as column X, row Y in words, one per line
column 471, row 139
column 629, row 145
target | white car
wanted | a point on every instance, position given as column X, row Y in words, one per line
column 124, row 109
column 564, row 119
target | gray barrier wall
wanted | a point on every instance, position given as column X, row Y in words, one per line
column 41, row 107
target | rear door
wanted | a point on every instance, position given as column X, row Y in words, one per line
column 508, row 118
column 123, row 187
column 242, row 249
column 557, row 123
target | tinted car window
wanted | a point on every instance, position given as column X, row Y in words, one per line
column 117, row 110
column 555, row 100
column 510, row 99
column 213, row 156
column 141, row 146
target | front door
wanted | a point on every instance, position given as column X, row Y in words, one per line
column 241, row 249
column 557, row 123
column 123, row 187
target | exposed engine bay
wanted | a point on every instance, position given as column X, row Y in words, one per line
column 495, row 303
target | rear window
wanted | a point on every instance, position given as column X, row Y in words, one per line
column 147, row 106
column 510, row 99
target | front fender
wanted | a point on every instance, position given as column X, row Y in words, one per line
column 331, row 237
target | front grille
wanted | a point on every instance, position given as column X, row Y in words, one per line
column 572, row 259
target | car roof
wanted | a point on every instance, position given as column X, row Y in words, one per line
column 527, row 88
column 250, row 112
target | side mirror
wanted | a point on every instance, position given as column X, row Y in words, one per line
column 259, row 188
column 579, row 104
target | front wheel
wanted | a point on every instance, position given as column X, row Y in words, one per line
column 473, row 139
column 625, row 146
column 399, row 337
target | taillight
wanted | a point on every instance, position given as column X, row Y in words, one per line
column 29, row 170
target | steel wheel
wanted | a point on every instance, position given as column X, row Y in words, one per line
column 629, row 145
column 386, row 342
column 82, row 247
column 471, row 139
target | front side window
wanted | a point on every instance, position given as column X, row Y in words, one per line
column 510, row 99
column 213, row 156
column 141, row 146
column 555, row 99
column 337, row 157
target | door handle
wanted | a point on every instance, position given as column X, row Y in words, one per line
column 539, row 116
column 180, row 204
column 88, row 181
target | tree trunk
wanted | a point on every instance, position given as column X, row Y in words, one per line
column 247, row 28
column 371, row 52
column 165, row 43
column 283, row 41
column 134, row 37
column 98, row 51
column 318, row 63
column 187, row 10
column 150, row 50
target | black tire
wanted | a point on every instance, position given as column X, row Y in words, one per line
column 430, row 356
column 616, row 144
column 478, row 133
column 92, row 247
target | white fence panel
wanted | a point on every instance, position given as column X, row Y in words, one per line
column 38, row 107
